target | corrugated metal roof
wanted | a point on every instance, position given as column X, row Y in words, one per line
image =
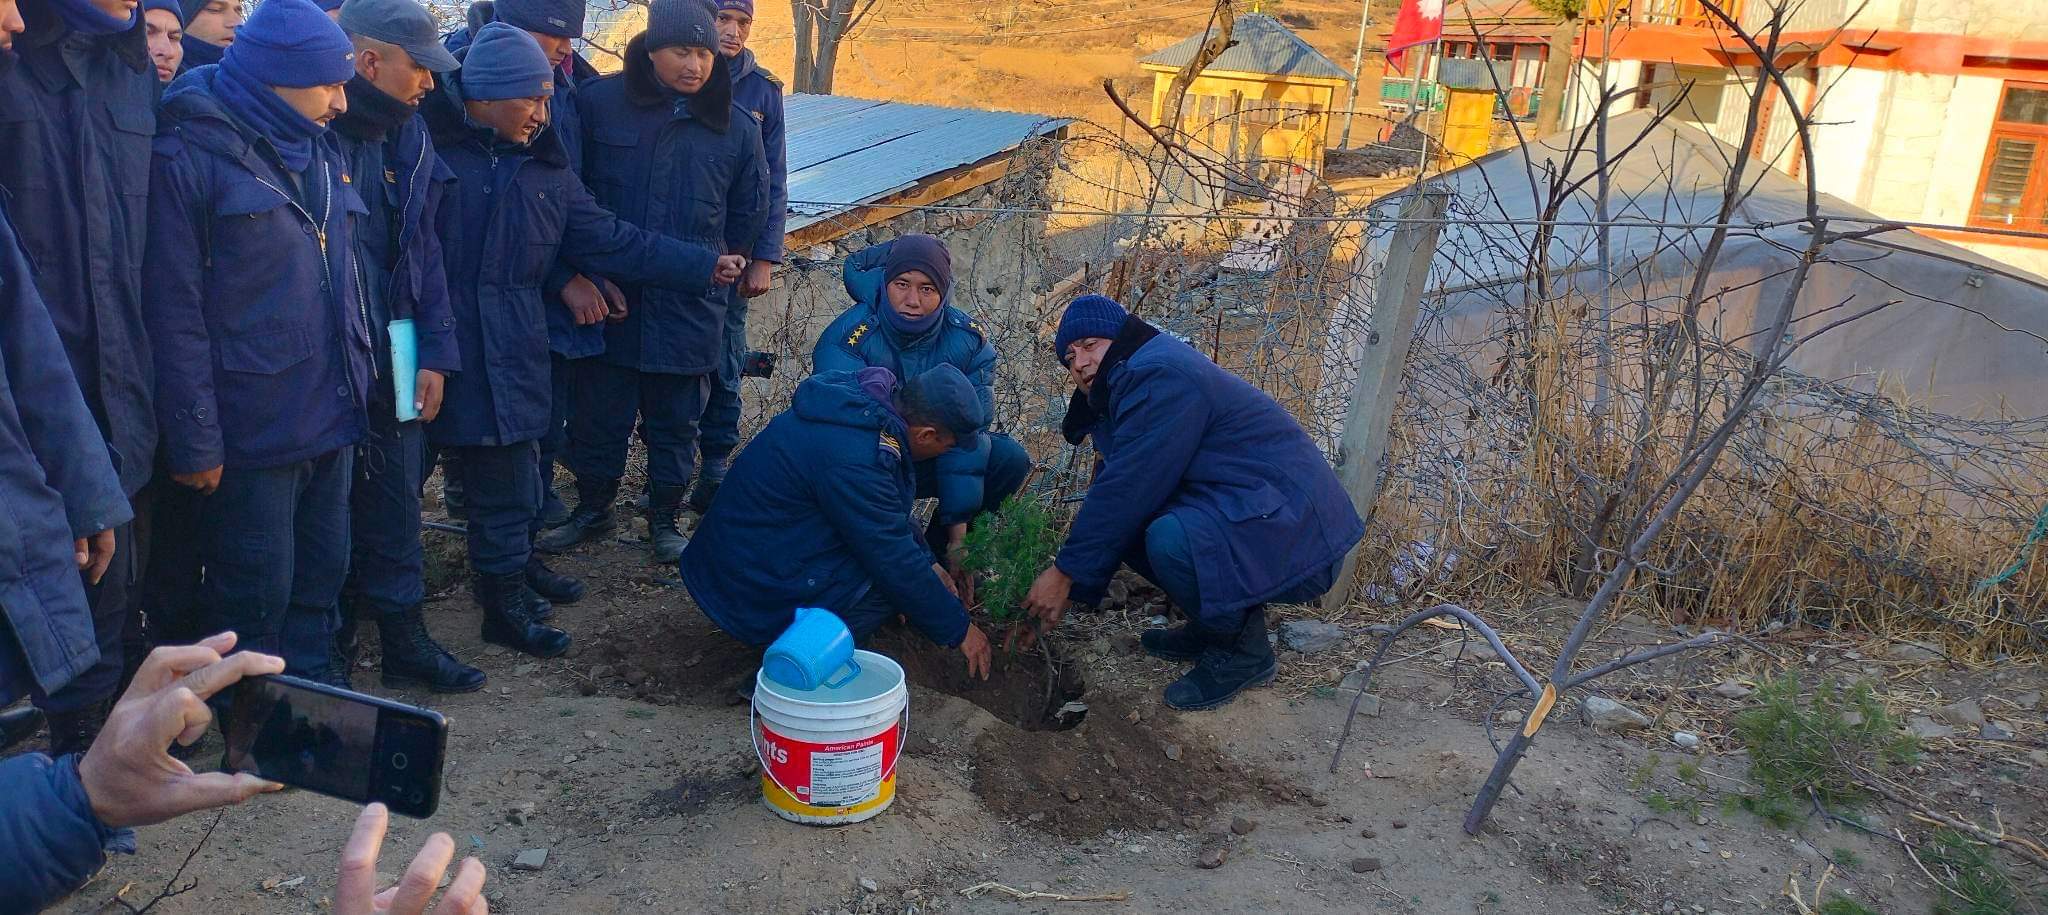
column 845, row 152
column 1263, row 46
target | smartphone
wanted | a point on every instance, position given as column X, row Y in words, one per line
column 336, row 742
column 758, row 365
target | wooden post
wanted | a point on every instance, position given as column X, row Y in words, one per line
column 1396, row 306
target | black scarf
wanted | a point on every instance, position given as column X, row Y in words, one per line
column 1087, row 408
column 372, row 113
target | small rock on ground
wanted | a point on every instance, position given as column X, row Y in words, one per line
column 1912, row 652
column 1995, row 730
column 1400, row 824
column 1173, row 752
column 1310, row 636
column 868, row 884
column 1242, row 826
column 1729, row 689
column 1364, row 865
column 1927, row 728
column 532, row 859
column 1605, row 714
column 1213, row 856
column 1967, row 713
column 1368, row 833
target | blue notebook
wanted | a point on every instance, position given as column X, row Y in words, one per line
column 405, row 366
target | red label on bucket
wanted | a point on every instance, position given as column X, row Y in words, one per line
column 830, row 774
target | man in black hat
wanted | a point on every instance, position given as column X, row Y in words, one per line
column 405, row 291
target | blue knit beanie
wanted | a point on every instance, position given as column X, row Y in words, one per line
column 170, row 6
column 504, row 62
column 560, row 18
column 744, row 6
column 924, row 254
column 291, row 43
column 1089, row 316
column 681, row 24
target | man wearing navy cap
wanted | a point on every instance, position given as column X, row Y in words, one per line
column 817, row 513
column 405, row 293
column 260, row 331
column 80, row 103
column 1208, row 488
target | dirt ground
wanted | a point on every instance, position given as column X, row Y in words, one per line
column 629, row 761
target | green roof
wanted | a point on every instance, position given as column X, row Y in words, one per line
column 1263, row 45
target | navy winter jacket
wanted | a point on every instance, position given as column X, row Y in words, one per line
column 76, row 116
column 56, row 485
column 50, row 842
column 513, row 213
column 758, row 92
column 1262, row 509
column 861, row 337
column 815, row 512
column 398, row 251
column 688, row 167
column 565, row 336
column 261, row 334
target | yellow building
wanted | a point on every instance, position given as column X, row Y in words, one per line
column 1267, row 99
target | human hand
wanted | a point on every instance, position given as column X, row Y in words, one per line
column 356, row 891
column 759, row 274
column 614, row 301
column 427, row 388
column 94, row 554
column 1046, row 604
column 946, row 578
column 963, row 585
column 206, row 481
column 728, row 269
column 129, row 776
column 980, row 657
column 585, row 302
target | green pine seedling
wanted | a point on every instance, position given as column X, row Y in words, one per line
column 1006, row 551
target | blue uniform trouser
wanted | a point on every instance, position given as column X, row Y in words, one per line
column 721, row 427
column 387, row 567
column 608, row 399
column 1167, row 559
column 275, row 546
column 111, row 605
column 552, row 443
column 502, row 484
column 1008, row 465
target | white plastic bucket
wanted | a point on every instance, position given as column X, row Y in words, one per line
column 828, row 755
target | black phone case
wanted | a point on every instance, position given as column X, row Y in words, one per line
column 420, row 808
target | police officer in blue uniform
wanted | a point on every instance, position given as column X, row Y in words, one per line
column 903, row 320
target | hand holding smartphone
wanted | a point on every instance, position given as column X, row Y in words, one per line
column 336, row 742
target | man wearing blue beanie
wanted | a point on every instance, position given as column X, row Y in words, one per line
column 79, row 101
column 672, row 103
column 210, row 26
column 1208, row 488
column 903, row 318
column 515, row 209
column 262, row 352
column 164, row 22
column 576, row 305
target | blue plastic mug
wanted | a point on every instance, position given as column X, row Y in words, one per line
column 814, row 646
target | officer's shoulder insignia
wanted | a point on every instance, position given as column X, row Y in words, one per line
column 889, row 447
column 859, row 331
column 972, row 324
column 770, row 77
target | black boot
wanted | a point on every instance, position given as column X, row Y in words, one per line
column 509, row 620
column 553, row 585
column 1181, row 643
column 591, row 519
column 663, row 501
column 553, row 511
column 73, row 731
column 1231, row 663
column 17, row 725
column 413, row 658
column 709, row 476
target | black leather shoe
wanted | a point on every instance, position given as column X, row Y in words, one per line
column 509, row 620
column 1181, row 643
column 663, row 502
column 555, row 586
column 413, row 658
column 591, row 519
column 1232, row 663
column 17, row 725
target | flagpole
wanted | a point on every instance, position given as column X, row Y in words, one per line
column 1422, row 107
column 1357, row 69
